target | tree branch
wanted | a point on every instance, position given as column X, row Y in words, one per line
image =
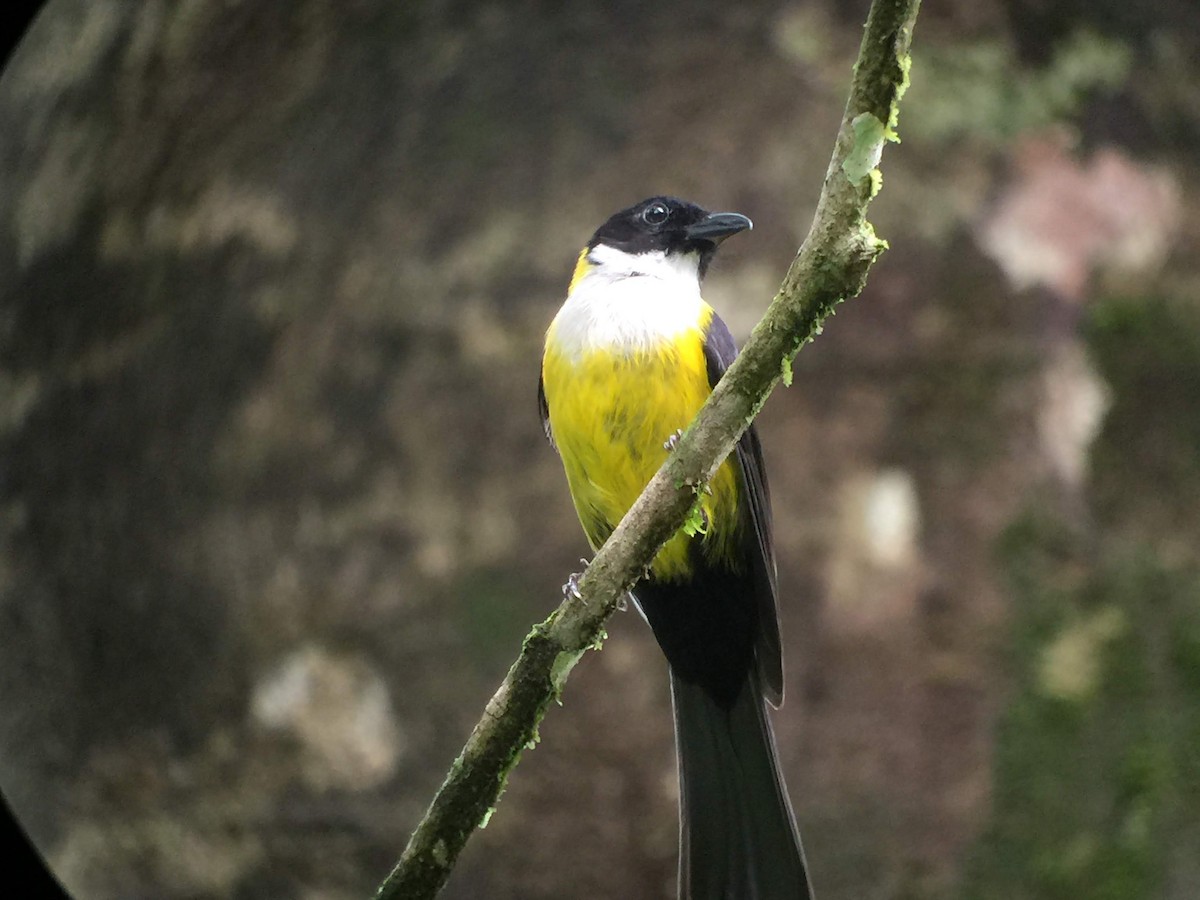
column 831, row 265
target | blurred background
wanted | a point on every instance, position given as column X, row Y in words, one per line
column 276, row 508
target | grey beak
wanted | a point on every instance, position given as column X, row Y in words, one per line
column 715, row 227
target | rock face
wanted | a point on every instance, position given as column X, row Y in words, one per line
column 276, row 509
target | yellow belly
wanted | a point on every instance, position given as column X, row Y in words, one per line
column 610, row 414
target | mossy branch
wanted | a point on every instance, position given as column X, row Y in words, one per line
column 831, row 265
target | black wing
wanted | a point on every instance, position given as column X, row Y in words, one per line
column 544, row 412
column 719, row 352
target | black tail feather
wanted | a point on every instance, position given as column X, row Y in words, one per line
column 738, row 835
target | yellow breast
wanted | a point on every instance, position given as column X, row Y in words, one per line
column 611, row 410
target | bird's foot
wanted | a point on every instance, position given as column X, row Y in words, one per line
column 673, row 441
column 571, row 588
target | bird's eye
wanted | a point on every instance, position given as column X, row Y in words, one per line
column 655, row 214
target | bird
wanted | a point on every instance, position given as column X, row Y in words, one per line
column 629, row 359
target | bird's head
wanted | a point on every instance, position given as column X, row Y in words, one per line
column 663, row 231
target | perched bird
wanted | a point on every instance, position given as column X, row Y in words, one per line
column 629, row 359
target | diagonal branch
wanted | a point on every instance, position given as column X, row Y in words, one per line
column 831, row 265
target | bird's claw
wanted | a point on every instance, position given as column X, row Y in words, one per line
column 571, row 588
column 673, row 441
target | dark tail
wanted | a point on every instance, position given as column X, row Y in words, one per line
column 737, row 834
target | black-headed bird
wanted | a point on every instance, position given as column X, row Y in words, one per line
column 629, row 359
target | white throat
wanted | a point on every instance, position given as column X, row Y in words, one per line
column 629, row 302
